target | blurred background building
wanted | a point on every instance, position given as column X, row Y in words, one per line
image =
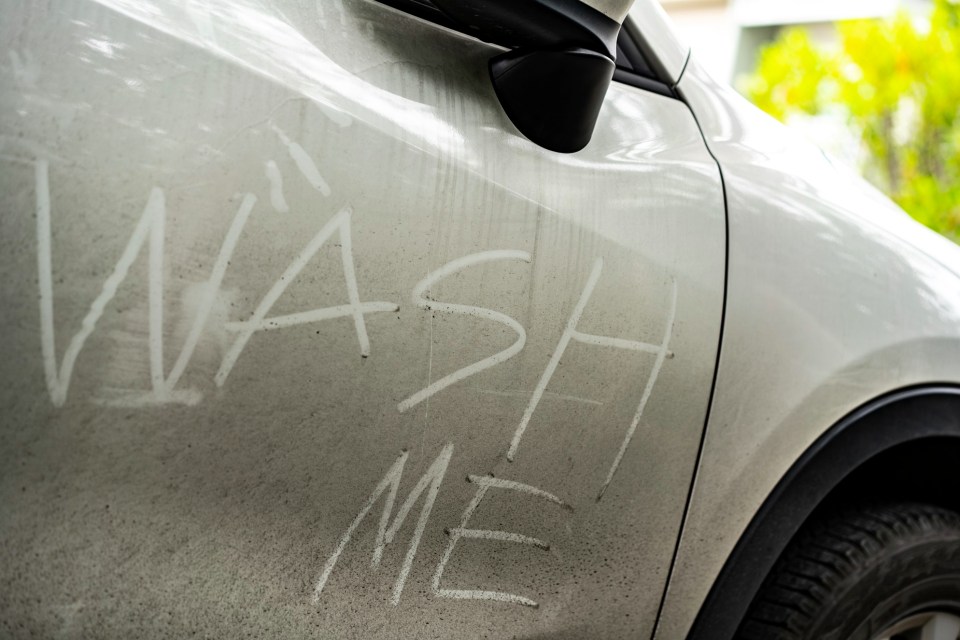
column 726, row 34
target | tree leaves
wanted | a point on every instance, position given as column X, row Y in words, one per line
column 898, row 83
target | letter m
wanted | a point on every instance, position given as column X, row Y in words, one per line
column 390, row 483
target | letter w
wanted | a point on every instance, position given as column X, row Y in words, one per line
column 433, row 477
column 151, row 224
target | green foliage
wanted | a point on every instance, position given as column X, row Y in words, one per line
column 899, row 86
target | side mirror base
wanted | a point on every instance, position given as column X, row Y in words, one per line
column 552, row 83
column 552, row 97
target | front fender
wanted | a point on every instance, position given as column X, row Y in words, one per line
column 835, row 297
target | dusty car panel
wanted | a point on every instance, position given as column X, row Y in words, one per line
column 835, row 297
column 287, row 298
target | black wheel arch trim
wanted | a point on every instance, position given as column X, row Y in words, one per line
column 897, row 418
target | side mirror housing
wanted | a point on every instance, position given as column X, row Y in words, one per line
column 552, row 82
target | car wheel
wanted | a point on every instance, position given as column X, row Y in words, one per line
column 875, row 573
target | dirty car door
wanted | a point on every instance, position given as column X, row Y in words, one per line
column 302, row 338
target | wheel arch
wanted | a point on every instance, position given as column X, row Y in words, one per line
column 896, row 446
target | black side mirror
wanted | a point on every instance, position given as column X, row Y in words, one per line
column 552, row 83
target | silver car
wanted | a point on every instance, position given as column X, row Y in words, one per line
column 452, row 319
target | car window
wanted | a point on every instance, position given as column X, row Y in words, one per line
column 633, row 68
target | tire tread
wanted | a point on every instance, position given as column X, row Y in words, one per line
column 826, row 555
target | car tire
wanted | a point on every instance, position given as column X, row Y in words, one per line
column 864, row 574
